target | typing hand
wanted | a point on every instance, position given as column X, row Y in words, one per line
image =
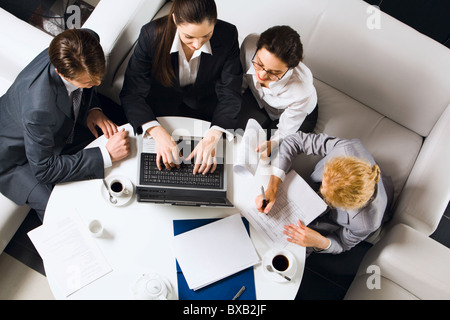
column 205, row 153
column 166, row 149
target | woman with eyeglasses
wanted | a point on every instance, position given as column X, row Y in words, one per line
column 185, row 64
column 281, row 95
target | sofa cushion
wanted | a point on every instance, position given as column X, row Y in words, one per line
column 24, row 43
column 394, row 147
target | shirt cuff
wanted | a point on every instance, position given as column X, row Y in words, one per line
column 107, row 162
column 278, row 173
column 320, row 250
column 229, row 135
column 149, row 125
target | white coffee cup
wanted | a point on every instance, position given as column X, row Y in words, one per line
column 96, row 228
column 118, row 188
column 282, row 261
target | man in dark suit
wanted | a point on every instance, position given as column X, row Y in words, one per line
column 203, row 57
column 42, row 117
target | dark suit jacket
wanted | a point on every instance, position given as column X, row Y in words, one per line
column 215, row 96
column 36, row 118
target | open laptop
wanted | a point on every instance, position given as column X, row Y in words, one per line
column 180, row 186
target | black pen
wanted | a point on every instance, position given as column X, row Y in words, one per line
column 264, row 198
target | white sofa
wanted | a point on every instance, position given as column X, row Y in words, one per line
column 377, row 80
column 21, row 42
column 118, row 26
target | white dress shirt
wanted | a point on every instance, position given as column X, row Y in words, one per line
column 107, row 162
column 290, row 99
column 188, row 71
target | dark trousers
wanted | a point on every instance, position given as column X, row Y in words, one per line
column 250, row 110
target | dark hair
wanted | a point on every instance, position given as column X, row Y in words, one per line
column 284, row 42
column 184, row 11
column 77, row 51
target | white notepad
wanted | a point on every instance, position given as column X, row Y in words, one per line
column 214, row 251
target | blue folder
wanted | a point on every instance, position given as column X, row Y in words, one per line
column 224, row 289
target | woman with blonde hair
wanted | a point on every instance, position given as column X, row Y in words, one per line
column 351, row 183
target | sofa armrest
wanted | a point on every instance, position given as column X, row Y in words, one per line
column 427, row 189
column 11, row 217
column 411, row 265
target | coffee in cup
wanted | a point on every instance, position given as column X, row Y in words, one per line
column 280, row 262
column 118, row 188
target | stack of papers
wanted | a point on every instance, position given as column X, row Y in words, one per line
column 214, row 251
column 69, row 252
column 296, row 200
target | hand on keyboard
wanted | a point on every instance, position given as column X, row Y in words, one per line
column 205, row 153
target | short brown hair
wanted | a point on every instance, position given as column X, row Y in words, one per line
column 76, row 51
column 350, row 182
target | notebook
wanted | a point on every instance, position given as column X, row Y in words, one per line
column 180, row 186
column 224, row 289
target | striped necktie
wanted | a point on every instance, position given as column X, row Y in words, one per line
column 76, row 103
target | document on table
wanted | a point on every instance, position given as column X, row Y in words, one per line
column 214, row 251
column 247, row 159
column 69, row 252
column 296, row 200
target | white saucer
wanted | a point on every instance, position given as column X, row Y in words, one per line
column 267, row 260
column 120, row 200
column 151, row 275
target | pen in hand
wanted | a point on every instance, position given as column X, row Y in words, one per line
column 264, row 204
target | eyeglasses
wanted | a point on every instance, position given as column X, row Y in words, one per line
column 272, row 76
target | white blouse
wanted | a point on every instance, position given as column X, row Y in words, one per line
column 290, row 99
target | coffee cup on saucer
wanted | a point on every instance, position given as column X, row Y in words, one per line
column 118, row 188
column 279, row 265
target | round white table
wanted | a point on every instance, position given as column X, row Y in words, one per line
column 138, row 236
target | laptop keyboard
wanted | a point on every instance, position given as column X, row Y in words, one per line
column 178, row 177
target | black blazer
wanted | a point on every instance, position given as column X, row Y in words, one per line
column 36, row 119
column 215, row 95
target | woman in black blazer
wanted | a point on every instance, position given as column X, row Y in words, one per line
column 185, row 64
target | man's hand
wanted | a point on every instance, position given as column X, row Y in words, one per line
column 96, row 118
column 118, row 145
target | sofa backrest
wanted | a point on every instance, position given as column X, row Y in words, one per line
column 361, row 52
column 21, row 43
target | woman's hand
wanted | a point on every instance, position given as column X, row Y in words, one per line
column 270, row 194
column 205, row 153
column 166, row 148
column 305, row 237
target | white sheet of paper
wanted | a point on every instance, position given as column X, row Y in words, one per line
column 247, row 159
column 214, row 251
column 296, row 200
column 70, row 252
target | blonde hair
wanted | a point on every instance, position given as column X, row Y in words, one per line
column 349, row 182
